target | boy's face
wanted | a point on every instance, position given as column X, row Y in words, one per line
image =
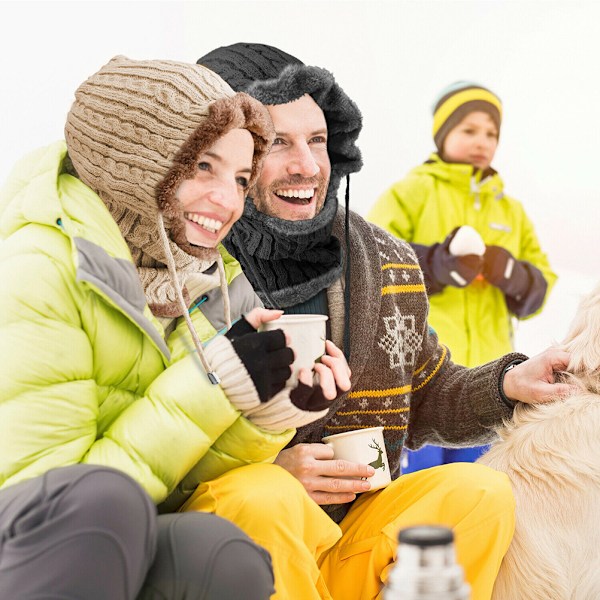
column 474, row 141
column 295, row 175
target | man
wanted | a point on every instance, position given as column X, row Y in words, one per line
column 371, row 287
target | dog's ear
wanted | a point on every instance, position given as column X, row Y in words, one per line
column 583, row 338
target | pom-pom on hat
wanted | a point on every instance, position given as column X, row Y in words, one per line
column 456, row 101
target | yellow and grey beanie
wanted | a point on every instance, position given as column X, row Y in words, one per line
column 456, row 101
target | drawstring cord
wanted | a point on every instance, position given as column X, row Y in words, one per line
column 347, row 275
column 212, row 376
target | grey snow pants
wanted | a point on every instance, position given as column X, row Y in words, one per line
column 87, row 532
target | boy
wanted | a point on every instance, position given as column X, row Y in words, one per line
column 473, row 297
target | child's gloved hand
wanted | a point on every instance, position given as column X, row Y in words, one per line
column 450, row 269
column 504, row 271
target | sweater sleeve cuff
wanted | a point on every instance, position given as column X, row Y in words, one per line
column 488, row 398
column 513, row 363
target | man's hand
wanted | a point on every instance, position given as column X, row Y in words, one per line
column 333, row 372
column 257, row 316
column 533, row 381
column 324, row 478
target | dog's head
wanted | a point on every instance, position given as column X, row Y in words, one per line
column 583, row 343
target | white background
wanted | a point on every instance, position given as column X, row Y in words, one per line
column 392, row 57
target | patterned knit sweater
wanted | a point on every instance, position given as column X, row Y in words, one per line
column 402, row 376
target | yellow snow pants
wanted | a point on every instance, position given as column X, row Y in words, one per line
column 313, row 558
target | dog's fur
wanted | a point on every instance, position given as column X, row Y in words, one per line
column 551, row 454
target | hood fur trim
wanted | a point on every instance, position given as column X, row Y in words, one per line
column 239, row 111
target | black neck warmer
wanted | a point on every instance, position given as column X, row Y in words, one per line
column 287, row 262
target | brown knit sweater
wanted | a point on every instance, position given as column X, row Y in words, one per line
column 402, row 376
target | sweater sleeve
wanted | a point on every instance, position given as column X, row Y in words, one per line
column 456, row 406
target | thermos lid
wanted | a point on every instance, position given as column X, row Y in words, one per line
column 426, row 536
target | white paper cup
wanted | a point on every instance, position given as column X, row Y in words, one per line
column 307, row 335
column 364, row 446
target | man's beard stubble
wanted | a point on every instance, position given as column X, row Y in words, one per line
column 262, row 197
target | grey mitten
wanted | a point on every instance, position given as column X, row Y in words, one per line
column 504, row 271
column 441, row 266
column 450, row 268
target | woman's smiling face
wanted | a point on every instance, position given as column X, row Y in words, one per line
column 213, row 200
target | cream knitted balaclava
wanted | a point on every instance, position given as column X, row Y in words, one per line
column 133, row 135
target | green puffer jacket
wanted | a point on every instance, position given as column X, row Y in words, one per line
column 424, row 208
column 83, row 362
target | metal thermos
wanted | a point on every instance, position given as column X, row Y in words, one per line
column 426, row 567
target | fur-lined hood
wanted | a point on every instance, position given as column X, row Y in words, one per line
column 275, row 77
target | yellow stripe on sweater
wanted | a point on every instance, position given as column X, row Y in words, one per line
column 399, row 266
column 435, row 370
column 386, row 411
column 403, row 289
column 380, row 393
column 352, row 427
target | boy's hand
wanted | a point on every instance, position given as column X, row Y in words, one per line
column 504, row 271
column 448, row 269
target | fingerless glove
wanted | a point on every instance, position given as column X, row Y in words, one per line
column 265, row 356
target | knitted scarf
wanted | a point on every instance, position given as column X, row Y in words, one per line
column 287, row 262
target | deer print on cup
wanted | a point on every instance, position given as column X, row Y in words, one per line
column 357, row 446
column 377, row 464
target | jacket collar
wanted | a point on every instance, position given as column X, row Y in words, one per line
column 461, row 175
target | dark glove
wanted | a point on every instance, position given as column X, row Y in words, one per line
column 504, row 271
column 239, row 328
column 311, row 398
column 265, row 356
column 447, row 269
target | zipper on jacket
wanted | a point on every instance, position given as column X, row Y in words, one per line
column 475, row 192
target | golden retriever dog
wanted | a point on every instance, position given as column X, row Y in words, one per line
column 551, row 453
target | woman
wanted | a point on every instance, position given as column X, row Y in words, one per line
column 113, row 280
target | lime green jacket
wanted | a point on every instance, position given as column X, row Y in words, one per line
column 424, row 208
column 85, row 373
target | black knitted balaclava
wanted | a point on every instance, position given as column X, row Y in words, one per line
column 289, row 262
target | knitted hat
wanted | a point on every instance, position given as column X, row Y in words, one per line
column 135, row 130
column 456, row 101
column 134, row 134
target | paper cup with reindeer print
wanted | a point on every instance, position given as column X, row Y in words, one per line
column 364, row 446
column 307, row 334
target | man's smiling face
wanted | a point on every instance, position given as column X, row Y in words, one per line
column 295, row 175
